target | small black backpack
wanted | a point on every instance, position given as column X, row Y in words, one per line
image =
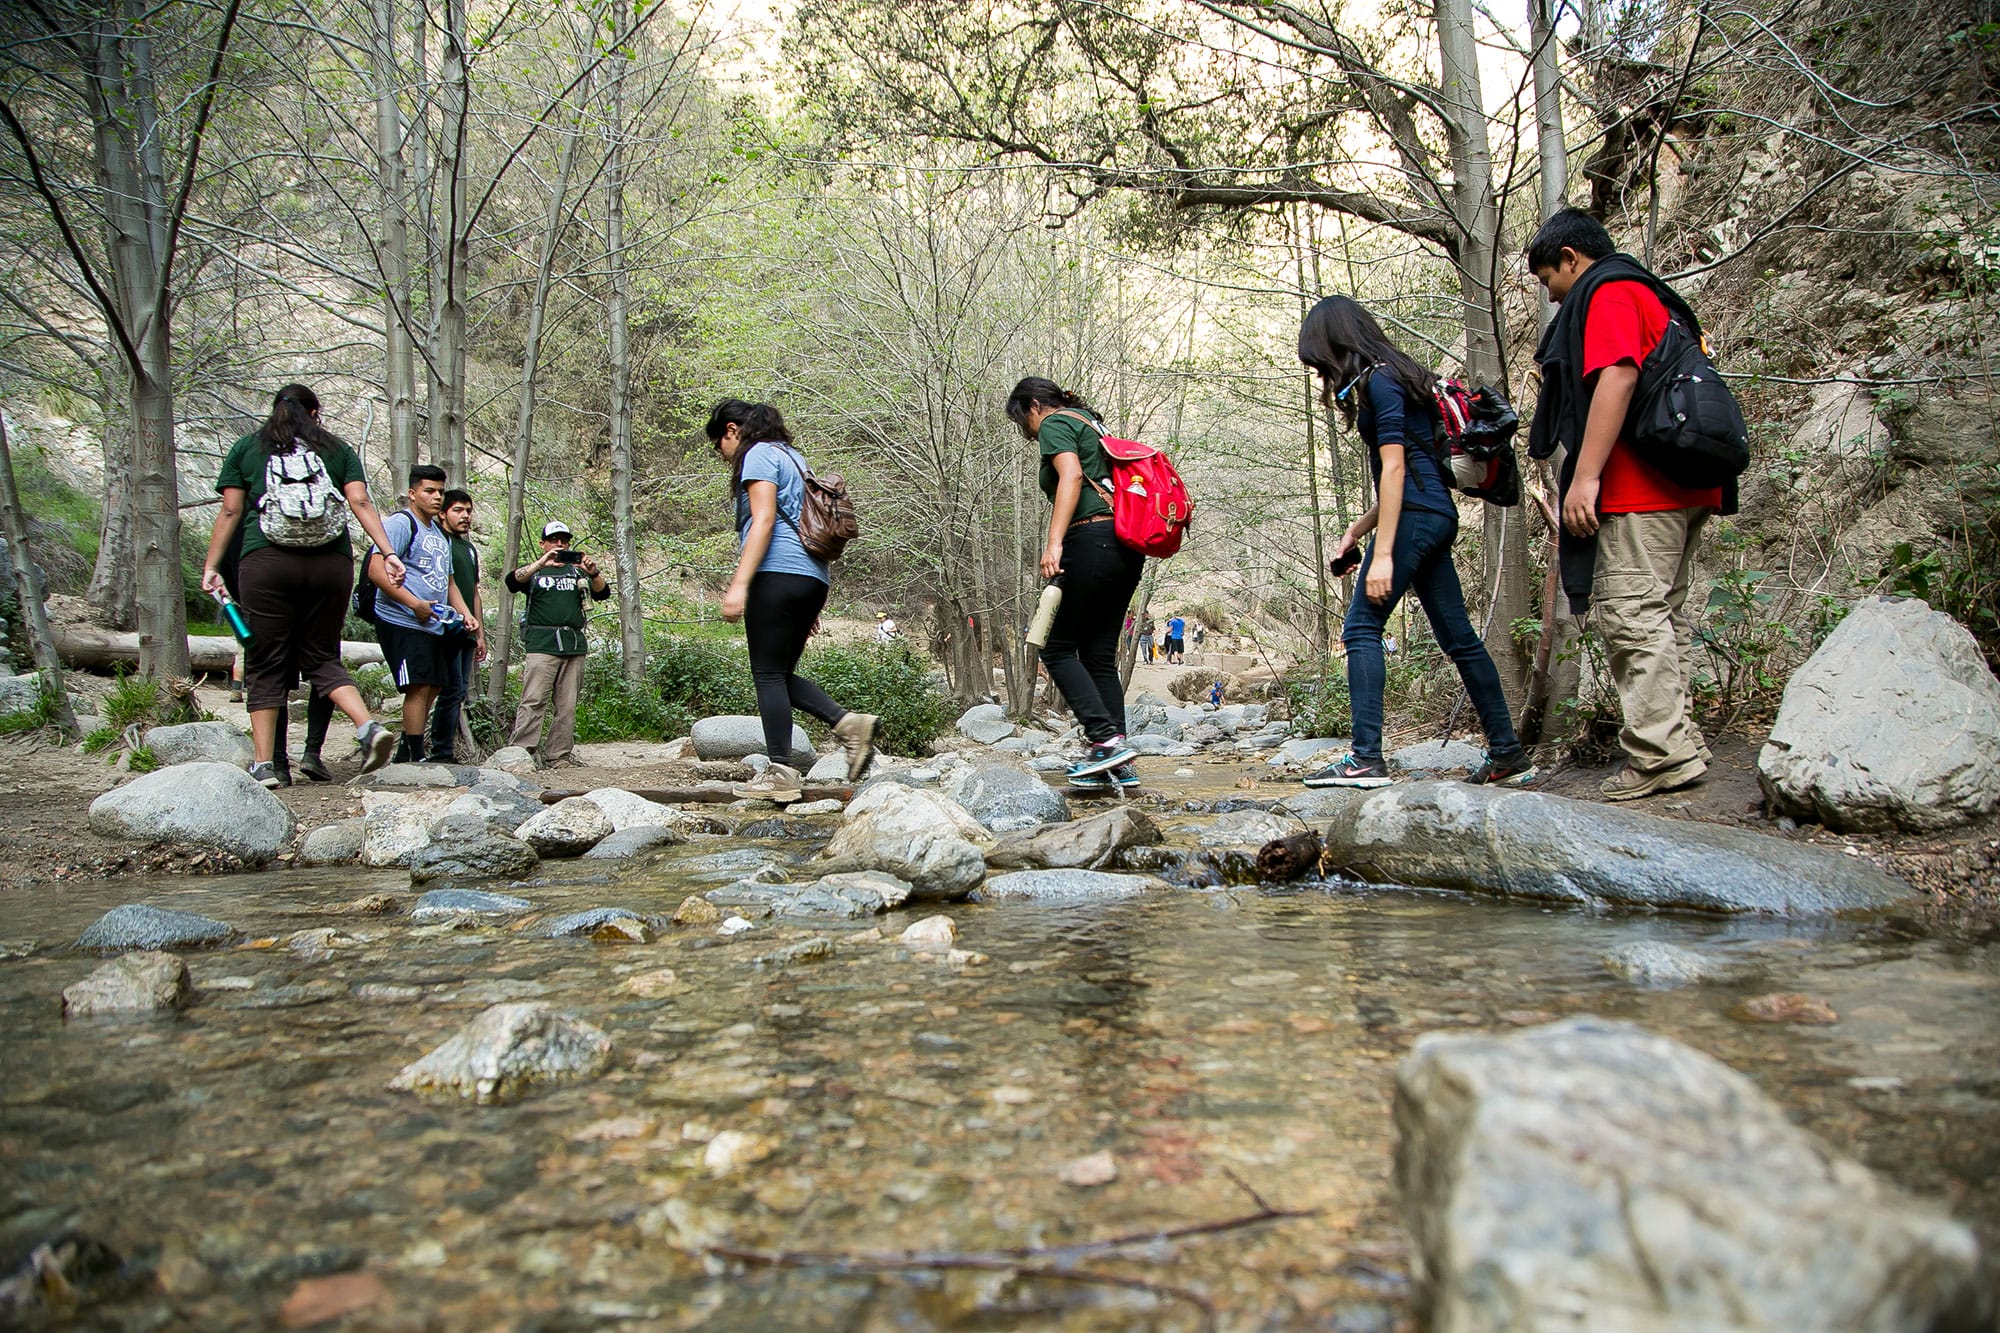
column 1683, row 419
column 363, row 601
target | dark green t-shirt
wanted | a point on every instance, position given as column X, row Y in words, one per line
column 1067, row 435
column 243, row 466
column 465, row 568
column 553, row 622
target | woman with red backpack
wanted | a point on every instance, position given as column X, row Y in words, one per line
column 1097, row 571
column 1391, row 401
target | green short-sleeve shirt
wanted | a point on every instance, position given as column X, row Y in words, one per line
column 1067, row 435
column 465, row 568
column 243, row 467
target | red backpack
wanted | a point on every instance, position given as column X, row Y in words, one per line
column 1150, row 504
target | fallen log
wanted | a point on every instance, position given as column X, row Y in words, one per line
column 88, row 647
column 707, row 793
column 1287, row 858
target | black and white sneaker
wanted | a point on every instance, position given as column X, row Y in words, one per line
column 1103, row 758
column 312, row 768
column 1350, row 771
column 266, row 772
column 1516, row 772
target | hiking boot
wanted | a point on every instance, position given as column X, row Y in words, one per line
column 1351, row 771
column 376, row 742
column 1629, row 784
column 312, row 768
column 236, row 696
column 1516, row 772
column 266, row 772
column 409, row 750
column 779, row 782
column 856, row 734
column 1103, row 758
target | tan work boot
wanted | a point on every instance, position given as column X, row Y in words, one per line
column 1628, row 784
column 779, row 782
column 856, row 734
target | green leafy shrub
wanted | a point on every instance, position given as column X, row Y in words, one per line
column 891, row 680
column 100, row 739
column 1319, row 704
column 143, row 760
column 375, row 684
column 42, row 713
column 132, row 699
column 696, row 677
column 610, row 709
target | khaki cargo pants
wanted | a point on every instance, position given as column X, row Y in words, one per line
column 1638, row 602
column 541, row 675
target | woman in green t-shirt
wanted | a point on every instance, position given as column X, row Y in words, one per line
column 1098, row 574
column 295, row 597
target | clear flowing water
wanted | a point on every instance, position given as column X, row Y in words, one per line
column 1214, row 1043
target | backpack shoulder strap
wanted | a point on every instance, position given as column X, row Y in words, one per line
column 1097, row 426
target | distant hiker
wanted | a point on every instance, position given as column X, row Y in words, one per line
column 421, row 617
column 1098, row 573
column 319, row 709
column 777, row 591
column 552, row 634
column 464, row 649
column 1176, row 641
column 1388, row 398
column 300, row 482
column 1629, row 534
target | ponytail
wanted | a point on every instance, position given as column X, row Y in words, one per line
column 1035, row 391
column 291, row 423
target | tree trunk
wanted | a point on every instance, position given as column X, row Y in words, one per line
column 114, row 579
column 393, row 248
column 28, row 593
column 625, row 545
column 1506, row 567
column 524, row 420
column 448, row 442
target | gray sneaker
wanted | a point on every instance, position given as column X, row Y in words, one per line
column 266, row 772
column 376, row 742
column 779, row 782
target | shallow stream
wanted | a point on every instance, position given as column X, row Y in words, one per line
column 1217, row 1043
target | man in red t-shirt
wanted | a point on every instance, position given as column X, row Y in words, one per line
column 1647, row 527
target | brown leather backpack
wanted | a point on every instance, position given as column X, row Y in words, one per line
column 827, row 521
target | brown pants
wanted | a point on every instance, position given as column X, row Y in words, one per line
column 543, row 673
column 1639, row 604
column 296, row 603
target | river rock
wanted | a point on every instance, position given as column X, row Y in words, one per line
column 921, row 837
column 1005, row 798
column 488, row 857
column 138, row 983
column 137, row 926
column 1893, row 723
column 511, row 759
column 19, row 693
column 199, row 805
column 634, row 840
column 985, row 723
column 1087, row 844
column 1532, row 845
column 828, row 768
column 933, row 934
column 848, row 896
column 467, row 902
column 1592, row 1174
column 628, row 810
column 1248, row 829
column 1066, row 886
column 1660, row 965
column 506, row 1051
column 570, row 827
column 506, row 808
column 421, row 776
column 396, row 825
column 333, row 844
column 803, row 951
column 739, row 737
column 201, row 743
column 1159, row 745
column 1436, row 757
column 602, row 923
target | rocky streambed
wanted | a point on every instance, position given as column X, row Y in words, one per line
column 771, row 1069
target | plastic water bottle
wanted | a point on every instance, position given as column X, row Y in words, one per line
column 1045, row 616
column 232, row 616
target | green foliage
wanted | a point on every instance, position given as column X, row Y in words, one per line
column 1960, row 576
column 891, row 680
column 609, row 709
column 42, row 713
column 132, row 699
column 375, row 684
column 142, row 760
column 1319, row 703
column 100, row 739
column 696, row 677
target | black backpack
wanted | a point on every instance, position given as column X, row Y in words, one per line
column 1683, row 419
column 1474, row 442
column 364, row 587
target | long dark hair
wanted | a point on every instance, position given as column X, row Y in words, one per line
column 1034, row 391
column 756, row 423
column 1341, row 340
column 291, row 420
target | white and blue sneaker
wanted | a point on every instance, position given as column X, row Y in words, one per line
column 1124, row 777
column 1103, row 758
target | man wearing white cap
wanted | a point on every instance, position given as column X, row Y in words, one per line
column 552, row 633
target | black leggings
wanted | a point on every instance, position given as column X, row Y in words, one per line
column 1099, row 574
column 778, row 617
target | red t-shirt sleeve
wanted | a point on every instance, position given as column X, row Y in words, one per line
column 1625, row 323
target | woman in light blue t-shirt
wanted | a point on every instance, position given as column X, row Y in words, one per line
column 777, row 592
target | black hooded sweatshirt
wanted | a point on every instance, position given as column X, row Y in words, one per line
column 1564, row 405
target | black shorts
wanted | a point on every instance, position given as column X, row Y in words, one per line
column 414, row 656
column 1175, row 646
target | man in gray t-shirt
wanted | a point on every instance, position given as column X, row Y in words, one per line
column 420, row 620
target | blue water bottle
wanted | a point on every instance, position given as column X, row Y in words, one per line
column 232, row 616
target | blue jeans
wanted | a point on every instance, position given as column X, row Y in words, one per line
column 460, row 654
column 1422, row 565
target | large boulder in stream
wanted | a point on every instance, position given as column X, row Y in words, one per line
column 1006, row 798
column 197, row 805
column 1087, row 844
column 1521, row 844
column 1590, row 1174
column 1893, row 723
column 921, row 837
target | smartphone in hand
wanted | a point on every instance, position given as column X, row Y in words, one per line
column 1346, row 564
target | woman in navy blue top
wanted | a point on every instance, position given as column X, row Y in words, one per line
column 1389, row 399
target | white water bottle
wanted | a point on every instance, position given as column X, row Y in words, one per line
column 1045, row 616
